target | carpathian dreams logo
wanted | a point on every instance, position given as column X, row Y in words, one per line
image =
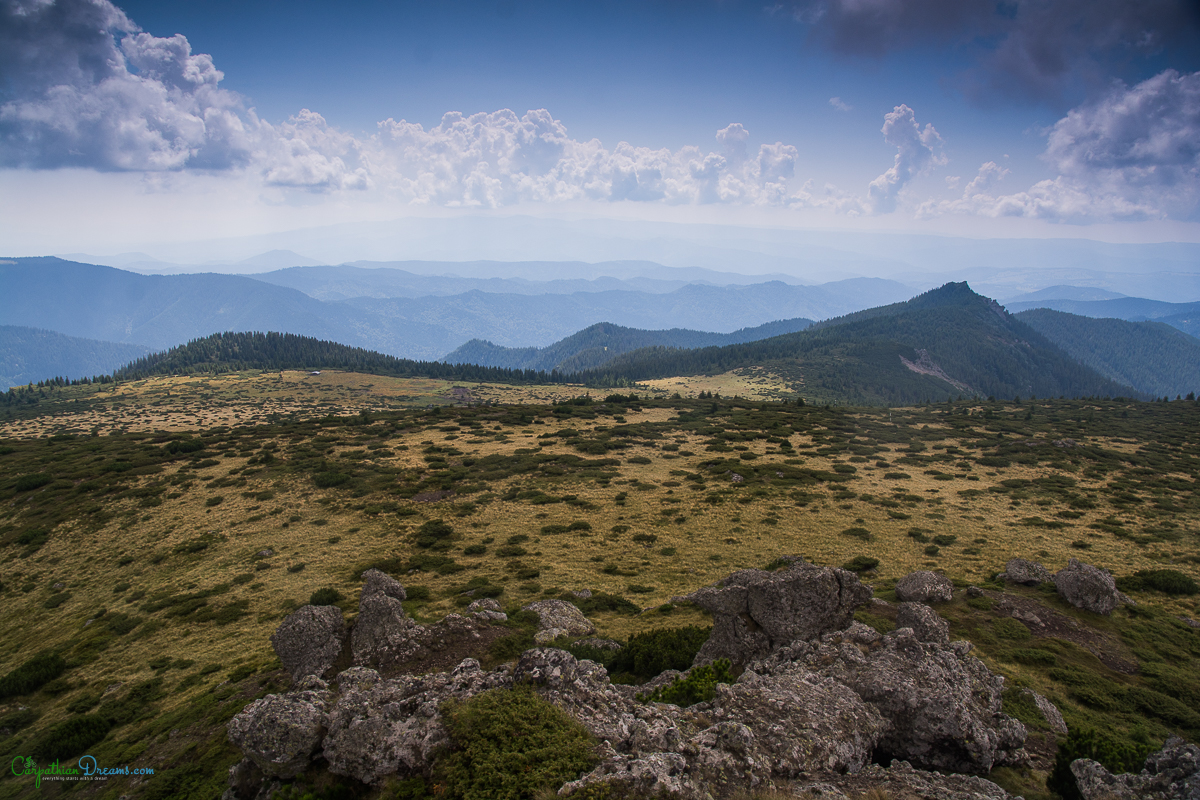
column 86, row 769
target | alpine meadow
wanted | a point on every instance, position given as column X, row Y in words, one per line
column 796, row 401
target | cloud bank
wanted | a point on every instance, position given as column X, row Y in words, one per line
column 1023, row 49
column 82, row 86
column 1134, row 154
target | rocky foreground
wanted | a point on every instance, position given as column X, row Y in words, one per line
column 821, row 701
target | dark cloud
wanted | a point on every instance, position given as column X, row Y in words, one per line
column 1046, row 50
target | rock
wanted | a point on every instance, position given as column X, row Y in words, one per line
column 266, row 552
column 487, row 609
column 1048, row 710
column 924, row 621
column 924, row 586
column 382, row 631
column 599, row 644
column 382, row 727
column 1030, row 619
column 900, row 780
column 974, row 591
column 755, row 612
column 247, row 782
column 827, row 727
column 941, row 705
column 1026, row 573
column 309, row 640
column 1088, row 587
column 558, row 618
column 280, row 732
column 582, row 594
column 1172, row 773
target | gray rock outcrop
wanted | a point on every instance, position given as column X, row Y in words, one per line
column 382, row 631
column 1048, row 710
column 558, row 618
column 925, row 622
column 488, row 609
column 941, row 705
column 1173, row 773
column 309, row 640
column 1088, row 587
column 755, row 611
column 280, row 732
column 924, row 586
column 1026, row 573
column 900, row 780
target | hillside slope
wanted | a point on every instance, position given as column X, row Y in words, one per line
column 949, row 341
column 1184, row 316
column 1149, row 356
column 597, row 344
column 30, row 355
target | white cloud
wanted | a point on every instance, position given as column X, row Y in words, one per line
column 1134, row 154
column 837, row 103
column 915, row 153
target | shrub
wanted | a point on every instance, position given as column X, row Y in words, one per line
column 861, row 564
column 474, row 550
column 36, row 480
column 1167, row 581
column 945, row 539
column 602, row 601
column 509, row 745
column 328, row 480
column 649, row 654
column 418, row 593
column 31, row 675
column 435, row 534
column 325, row 597
column 1116, row 756
column 35, row 537
column 1009, row 628
column 214, row 501
column 16, row 720
column 858, row 533
column 698, row 686
column 645, row 538
column 511, row 551
column 71, row 737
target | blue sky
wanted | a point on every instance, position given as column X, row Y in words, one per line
column 125, row 125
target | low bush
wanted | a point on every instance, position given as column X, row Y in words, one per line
column 31, row 675
column 70, row 737
column 435, row 534
column 861, row 564
column 325, row 597
column 649, row 654
column 509, row 744
column 1167, row 581
column 698, row 686
column 602, row 601
column 1116, row 756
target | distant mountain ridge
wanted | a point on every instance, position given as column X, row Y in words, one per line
column 29, row 355
column 1150, row 356
column 1183, row 316
column 946, row 342
column 597, row 344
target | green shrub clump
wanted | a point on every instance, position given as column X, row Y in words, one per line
column 861, row 564
column 325, row 597
column 435, row 534
column 649, row 654
column 602, row 601
column 32, row 675
column 1115, row 756
column 71, row 737
column 509, row 745
column 698, row 686
column 1167, row 581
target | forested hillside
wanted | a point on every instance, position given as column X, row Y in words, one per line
column 955, row 342
column 29, row 355
column 600, row 343
column 225, row 352
column 1152, row 357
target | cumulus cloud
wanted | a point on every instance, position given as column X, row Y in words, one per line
column 1023, row 48
column 1134, row 154
column 837, row 103
column 915, row 153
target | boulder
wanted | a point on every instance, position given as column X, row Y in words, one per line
column 1088, row 587
column 1026, row 573
column 309, row 640
column 941, row 705
column 382, row 631
column 755, row 611
column 925, row 622
column 900, row 780
column 558, row 618
column 487, row 609
column 1172, row 773
column 1048, row 710
column 924, row 586
column 382, row 727
column 280, row 732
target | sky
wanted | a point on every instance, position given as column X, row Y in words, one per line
column 149, row 125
